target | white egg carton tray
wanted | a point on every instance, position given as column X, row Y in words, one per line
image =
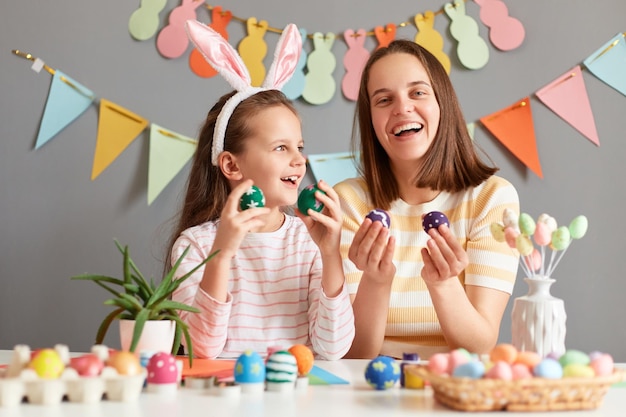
column 17, row 386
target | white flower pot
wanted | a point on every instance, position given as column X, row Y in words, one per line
column 157, row 336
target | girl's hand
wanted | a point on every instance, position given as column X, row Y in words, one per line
column 234, row 224
column 444, row 256
column 325, row 226
column 372, row 251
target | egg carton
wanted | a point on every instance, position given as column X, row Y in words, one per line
column 19, row 383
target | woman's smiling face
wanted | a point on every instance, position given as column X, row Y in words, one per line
column 405, row 112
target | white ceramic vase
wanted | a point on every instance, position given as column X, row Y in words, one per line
column 538, row 319
column 157, row 336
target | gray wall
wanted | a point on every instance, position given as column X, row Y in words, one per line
column 55, row 222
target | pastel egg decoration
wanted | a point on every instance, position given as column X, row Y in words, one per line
column 124, row 375
column 382, row 372
column 307, row 200
column 471, row 369
column 281, row 371
column 163, row 373
column 433, row 220
column 250, row 372
column 254, row 197
column 47, row 364
column 125, row 363
column 379, row 215
column 548, row 368
column 89, row 365
column 304, row 359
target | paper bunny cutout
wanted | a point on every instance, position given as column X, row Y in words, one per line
column 225, row 59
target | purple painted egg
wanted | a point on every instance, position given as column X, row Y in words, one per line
column 434, row 219
column 379, row 215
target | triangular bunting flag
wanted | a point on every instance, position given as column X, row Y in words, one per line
column 67, row 100
column 609, row 63
column 169, row 152
column 514, row 127
column 117, row 128
column 567, row 97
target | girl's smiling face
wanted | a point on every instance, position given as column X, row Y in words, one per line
column 273, row 156
column 405, row 112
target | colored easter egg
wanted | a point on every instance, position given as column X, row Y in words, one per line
column 509, row 218
column 602, row 364
column 47, row 364
column 497, row 231
column 576, row 370
column 87, row 365
column 560, row 238
column 528, row 358
column 307, row 200
column 500, row 370
column 304, row 358
column 382, row 372
column 510, row 235
column 252, row 198
column 125, row 363
column 162, row 369
column 281, row 367
column 548, row 220
column 578, row 227
column 524, row 245
column 574, row 356
column 548, row 368
column 543, row 234
column 520, row 371
column 380, row 215
column 439, row 363
column 458, row 357
column 249, row 368
column 526, row 224
column 473, row 369
column 434, row 219
column 535, row 260
column 504, row 352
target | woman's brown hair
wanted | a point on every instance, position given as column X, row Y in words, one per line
column 450, row 164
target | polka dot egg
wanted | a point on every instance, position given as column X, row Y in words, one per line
column 162, row 369
column 382, row 372
column 249, row 368
column 433, row 220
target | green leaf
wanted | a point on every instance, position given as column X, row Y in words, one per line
column 175, row 305
column 180, row 324
column 106, row 323
column 130, row 262
column 120, row 302
column 140, row 321
column 132, row 289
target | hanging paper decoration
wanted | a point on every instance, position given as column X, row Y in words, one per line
column 197, row 63
column 253, row 49
column 67, row 100
column 472, row 49
column 354, row 61
column 172, row 41
column 320, row 83
column 505, row 32
column 169, row 152
column 294, row 87
column 609, row 63
column 513, row 127
column 144, row 22
column 117, row 128
column 428, row 37
column 567, row 97
column 385, row 35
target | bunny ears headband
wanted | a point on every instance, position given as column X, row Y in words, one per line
column 221, row 55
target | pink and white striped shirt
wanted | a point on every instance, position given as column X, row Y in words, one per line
column 274, row 296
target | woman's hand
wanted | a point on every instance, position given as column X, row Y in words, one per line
column 372, row 251
column 325, row 226
column 444, row 256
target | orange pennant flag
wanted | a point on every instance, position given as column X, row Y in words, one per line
column 513, row 127
column 567, row 97
column 117, row 128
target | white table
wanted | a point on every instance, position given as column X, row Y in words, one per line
column 356, row 399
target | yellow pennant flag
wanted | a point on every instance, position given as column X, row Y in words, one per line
column 117, row 128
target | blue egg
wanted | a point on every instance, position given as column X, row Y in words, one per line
column 249, row 368
column 548, row 368
column 472, row 369
column 382, row 372
column 281, row 367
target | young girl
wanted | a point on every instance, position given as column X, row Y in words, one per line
column 412, row 291
column 277, row 279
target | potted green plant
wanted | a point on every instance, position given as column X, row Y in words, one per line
column 140, row 300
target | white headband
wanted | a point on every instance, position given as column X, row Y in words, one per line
column 223, row 57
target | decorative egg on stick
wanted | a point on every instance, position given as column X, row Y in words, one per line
column 252, row 198
column 307, row 200
column 433, row 220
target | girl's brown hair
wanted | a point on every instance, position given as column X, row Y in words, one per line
column 207, row 188
column 450, row 164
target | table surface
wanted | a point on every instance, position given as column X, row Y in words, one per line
column 354, row 399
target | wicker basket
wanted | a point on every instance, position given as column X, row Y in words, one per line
column 535, row 394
